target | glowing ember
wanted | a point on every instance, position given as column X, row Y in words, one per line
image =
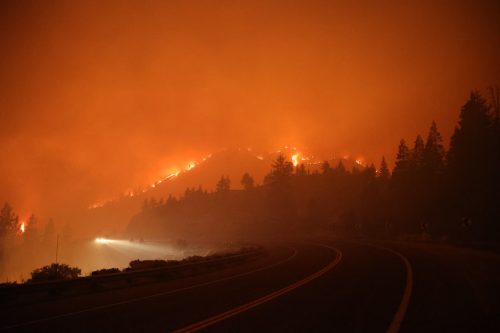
column 190, row 166
column 97, row 205
column 172, row 175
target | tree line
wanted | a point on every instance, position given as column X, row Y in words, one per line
column 431, row 192
column 35, row 246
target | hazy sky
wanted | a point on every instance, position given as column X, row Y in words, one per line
column 96, row 96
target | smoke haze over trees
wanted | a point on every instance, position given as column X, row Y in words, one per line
column 98, row 98
column 431, row 192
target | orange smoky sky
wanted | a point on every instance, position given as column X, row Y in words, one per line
column 99, row 96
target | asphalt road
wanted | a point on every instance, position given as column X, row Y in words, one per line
column 317, row 286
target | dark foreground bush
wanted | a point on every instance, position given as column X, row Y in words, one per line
column 149, row 264
column 55, row 272
column 136, row 265
column 8, row 284
column 105, row 271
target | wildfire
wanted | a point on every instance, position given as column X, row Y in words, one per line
column 190, row 165
column 296, row 157
column 360, row 161
column 173, row 173
column 22, row 227
column 97, row 205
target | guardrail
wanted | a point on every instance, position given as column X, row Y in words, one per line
column 121, row 279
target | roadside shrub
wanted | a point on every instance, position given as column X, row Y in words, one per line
column 105, row 271
column 150, row 264
column 193, row 259
column 55, row 272
column 8, row 284
column 136, row 265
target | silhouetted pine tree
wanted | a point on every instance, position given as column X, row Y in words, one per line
column 384, row 173
column 417, row 155
column 405, row 187
column 8, row 220
column 472, row 164
column 416, row 185
column 340, row 169
column 434, row 154
column 495, row 181
column 430, row 184
column 247, row 181
column 31, row 234
column 402, row 166
column 280, row 199
column 8, row 225
column 281, row 171
column 171, row 201
column 223, row 184
column 372, row 171
column 471, row 145
column 326, row 168
column 301, row 170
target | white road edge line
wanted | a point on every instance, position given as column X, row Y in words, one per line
column 247, row 306
column 139, row 299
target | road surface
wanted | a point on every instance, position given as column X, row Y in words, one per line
column 300, row 286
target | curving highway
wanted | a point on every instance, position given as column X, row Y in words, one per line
column 301, row 286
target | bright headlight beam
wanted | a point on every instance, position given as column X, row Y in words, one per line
column 101, row 240
column 140, row 249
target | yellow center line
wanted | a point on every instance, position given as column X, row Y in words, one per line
column 144, row 298
column 405, row 300
column 225, row 315
column 395, row 324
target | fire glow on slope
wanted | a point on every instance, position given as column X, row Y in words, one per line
column 292, row 152
column 172, row 174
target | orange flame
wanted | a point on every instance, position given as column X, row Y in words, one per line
column 190, row 165
column 171, row 174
